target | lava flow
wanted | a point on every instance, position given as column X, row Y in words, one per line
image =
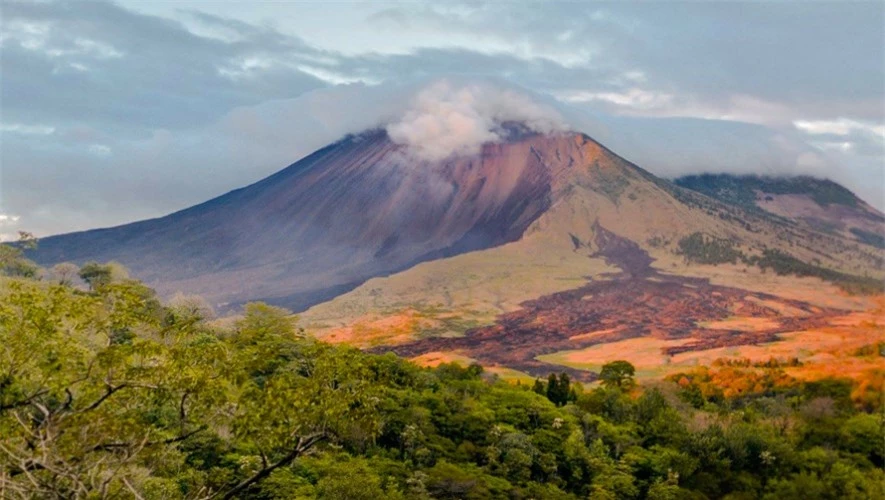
column 639, row 301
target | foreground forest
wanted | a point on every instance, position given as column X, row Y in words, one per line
column 106, row 392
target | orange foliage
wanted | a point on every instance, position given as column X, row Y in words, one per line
column 392, row 329
column 869, row 392
column 731, row 381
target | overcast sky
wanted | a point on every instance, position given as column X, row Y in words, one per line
column 113, row 112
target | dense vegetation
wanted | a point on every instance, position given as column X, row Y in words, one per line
column 704, row 249
column 741, row 189
column 699, row 248
column 107, row 393
column 784, row 263
column 12, row 257
column 872, row 239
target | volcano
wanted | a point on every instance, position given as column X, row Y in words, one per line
column 526, row 256
column 359, row 208
column 366, row 207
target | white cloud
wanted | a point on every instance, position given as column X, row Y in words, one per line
column 842, row 126
column 843, row 146
column 8, row 221
column 20, row 128
column 31, row 35
column 333, row 77
column 85, row 46
column 633, row 98
column 245, row 67
column 37, row 36
column 635, row 101
column 447, row 119
column 99, row 150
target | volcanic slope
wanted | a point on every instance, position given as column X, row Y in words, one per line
column 359, row 208
column 564, row 285
column 637, row 302
column 589, row 185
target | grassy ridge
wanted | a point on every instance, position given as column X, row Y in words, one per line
column 741, row 190
column 783, row 263
column 699, row 248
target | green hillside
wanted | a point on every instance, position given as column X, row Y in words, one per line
column 107, row 393
column 741, row 190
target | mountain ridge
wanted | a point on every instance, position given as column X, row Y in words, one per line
column 363, row 207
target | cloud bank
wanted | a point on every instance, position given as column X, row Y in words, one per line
column 447, row 119
column 169, row 170
column 114, row 112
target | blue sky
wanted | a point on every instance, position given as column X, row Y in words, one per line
column 113, row 112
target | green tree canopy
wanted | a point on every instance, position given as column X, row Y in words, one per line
column 96, row 275
column 617, row 374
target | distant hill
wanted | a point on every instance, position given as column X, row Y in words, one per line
column 820, row 203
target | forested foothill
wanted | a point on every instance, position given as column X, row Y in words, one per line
column 108, row 392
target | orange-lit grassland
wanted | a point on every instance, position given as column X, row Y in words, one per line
column 850, row 346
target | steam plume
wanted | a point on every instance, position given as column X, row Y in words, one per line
column 447, row 119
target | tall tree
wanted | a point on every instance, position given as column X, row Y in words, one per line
column 552, row 388
column 617, row 374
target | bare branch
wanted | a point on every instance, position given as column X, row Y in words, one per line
column 304, row 444
column 132, row 489
column 108, row 393
column 24, row 402
column 111, row 446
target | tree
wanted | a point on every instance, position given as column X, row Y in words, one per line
column 326, row 397
column 73, row 404
column 351, row 480
column 114, row 395
column 553, row 388
column 12, row 259
column 617, row 374
column 447, row 480
column 296, row 393
column 119, row 272
column 865, row 434
column 192, row 308
column 96, row 275
column 83, row 415
column 64, row 273
column 539, row 388
column 559, row 390
column 26, row 240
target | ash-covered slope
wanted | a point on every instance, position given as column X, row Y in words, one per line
column 356, row 209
